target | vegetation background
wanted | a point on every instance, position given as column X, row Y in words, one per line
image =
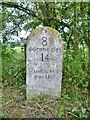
column 72, row 20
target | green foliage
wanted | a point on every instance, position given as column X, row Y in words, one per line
column 13, row 62
column 61, row 112
column 32, row 24
column 80, row 112
column 75, row 66
column 4, row 114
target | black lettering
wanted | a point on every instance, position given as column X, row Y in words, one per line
column 30, row 49
column 44, row 42
column 35, row 76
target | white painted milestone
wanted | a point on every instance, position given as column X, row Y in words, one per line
column 44, row 62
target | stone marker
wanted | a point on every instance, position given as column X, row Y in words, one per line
column 44, row 62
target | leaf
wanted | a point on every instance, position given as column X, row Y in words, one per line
column 61, row 112
column 83, row 110
column 74, row 109
column 32, row 24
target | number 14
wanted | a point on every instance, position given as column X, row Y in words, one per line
column 46, row 57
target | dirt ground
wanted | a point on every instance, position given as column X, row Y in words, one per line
column 15, row 105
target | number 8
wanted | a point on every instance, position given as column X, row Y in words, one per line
column 44, row 42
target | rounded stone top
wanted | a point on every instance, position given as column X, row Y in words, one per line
column 44, row 30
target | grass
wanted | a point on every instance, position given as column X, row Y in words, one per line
column 16, row 106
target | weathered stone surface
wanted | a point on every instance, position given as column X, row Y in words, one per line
column 44, row 62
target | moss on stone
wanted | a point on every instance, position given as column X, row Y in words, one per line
column 52, row 30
